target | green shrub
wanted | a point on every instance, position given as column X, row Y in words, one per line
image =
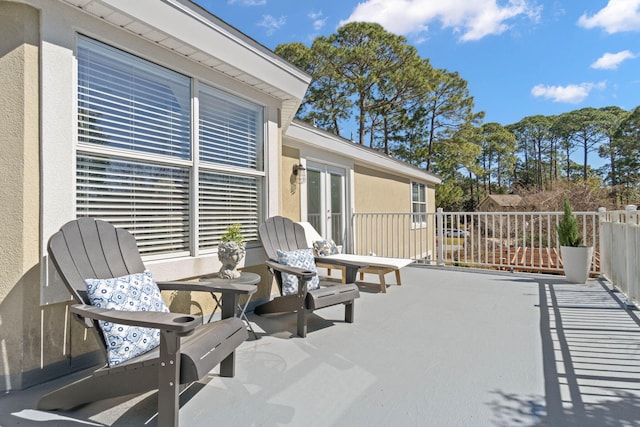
column 568, row 229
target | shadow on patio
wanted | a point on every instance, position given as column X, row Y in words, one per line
column 591, row 356
column 449, row 347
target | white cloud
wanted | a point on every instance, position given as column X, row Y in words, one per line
column 610, row 61
column 318, row 20
column 571, row 94
column 616, row 16
column 473, row 20
column 272, row 24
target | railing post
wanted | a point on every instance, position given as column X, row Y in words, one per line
column 440, row 234
column 602, row 246
column 630, row 253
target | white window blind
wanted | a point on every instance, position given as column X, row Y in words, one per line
column 150, row 201
column 127, row 103
column 134, row 163
column 230, row 130
column 224, row 200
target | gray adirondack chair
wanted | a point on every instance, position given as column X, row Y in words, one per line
column 282, row 233
column 188, row 350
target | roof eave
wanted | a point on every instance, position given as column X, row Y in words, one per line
column 189, row 30
column 307, row 134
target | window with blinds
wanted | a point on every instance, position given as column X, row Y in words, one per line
column 134, row 165
column 127, row 103
column 150, row 201
column 227, row 199
column 418, row 204
column 229, row 130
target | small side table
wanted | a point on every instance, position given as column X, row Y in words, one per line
column 230, row 289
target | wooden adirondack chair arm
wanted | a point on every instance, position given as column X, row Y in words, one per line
column 350, row 270
column 204, row 286
column 300, row 273
column 182, row 324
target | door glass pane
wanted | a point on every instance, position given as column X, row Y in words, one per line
column 336, row 209
column 314, row 201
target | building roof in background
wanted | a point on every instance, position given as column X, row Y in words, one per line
column 502, row 200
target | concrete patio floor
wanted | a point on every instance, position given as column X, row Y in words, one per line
column 449, row 347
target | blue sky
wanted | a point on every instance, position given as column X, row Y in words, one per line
column 520, row 57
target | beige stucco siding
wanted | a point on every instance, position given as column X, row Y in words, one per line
column 290, row 188
column 23, row 325
column 34, row 341
column 381, row 192
column 19, row 157
column 378, row 191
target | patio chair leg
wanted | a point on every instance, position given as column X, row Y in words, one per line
column 350, row 274
column 169, row 379
column 302, row 322
column 349, row 312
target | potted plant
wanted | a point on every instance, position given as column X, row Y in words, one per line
column 231, row 251
column 576, row 258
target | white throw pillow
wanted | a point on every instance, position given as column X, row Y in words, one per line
column 135, row 292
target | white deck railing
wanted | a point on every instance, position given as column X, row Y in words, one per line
column 515, row 241
column 620, row 250
column 523, row 241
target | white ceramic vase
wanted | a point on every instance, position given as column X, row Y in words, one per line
column 577, row 262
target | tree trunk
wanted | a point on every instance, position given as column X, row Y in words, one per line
column 431, row 136
column 361, row 120
column 584, row 166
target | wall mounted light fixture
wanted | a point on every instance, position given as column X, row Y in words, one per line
column 300, row 172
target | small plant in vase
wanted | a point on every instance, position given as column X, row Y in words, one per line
column 231, row 251
column 568, row 228
column 576, row 258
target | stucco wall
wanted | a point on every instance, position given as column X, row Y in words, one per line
column 30, row 336
column 290, row 188
column 377, row 191
column 381, row 192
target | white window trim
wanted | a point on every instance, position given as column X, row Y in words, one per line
column 419, row 224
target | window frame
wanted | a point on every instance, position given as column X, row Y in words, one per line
column 422, row 191
column 194, row 165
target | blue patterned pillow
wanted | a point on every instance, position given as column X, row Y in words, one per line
column 301, row 258
column 136, row 292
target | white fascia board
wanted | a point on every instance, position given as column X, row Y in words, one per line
column 188, row 23
column 308, row 135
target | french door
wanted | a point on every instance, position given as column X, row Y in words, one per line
column 326, row 200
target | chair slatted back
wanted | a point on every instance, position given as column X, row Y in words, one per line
column 86, row 248
column 281, row 233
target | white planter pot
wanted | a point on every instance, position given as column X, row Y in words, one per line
column 577, row 262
